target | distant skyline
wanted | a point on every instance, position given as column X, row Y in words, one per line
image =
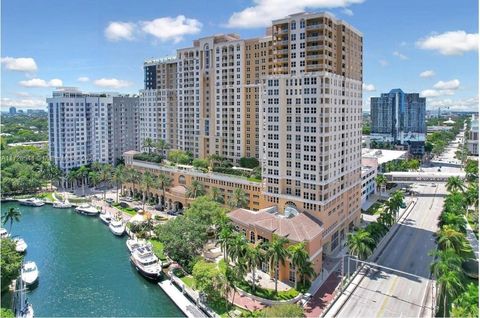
column 429, row 46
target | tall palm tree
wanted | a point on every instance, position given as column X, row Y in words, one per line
column 148, row 181
column 277, row 253
column 381, row 180
column 12, row 215
column 72, row 177
column 254, row 257
column 224, row 239
column 454, row 184
column 238, row 199
column 82, row 174
column 450, row 286
column 148, row 143
column 453, row 220
column 449, row 237
column 212, row 159
column 360, row 244
column 106, row 175
column 94, row 178
column 217, row 195
column 298, row 256
column 162, row 145
column 471, row 196
column 466, row 304
column 134, row 177
column 119, row 178
column 392, row 207
column 163, row 181
column 445, row 261
column 196, row 189
column 238, row 247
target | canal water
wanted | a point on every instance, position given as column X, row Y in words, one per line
column 84, row 269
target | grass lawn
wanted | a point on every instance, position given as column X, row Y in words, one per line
column 268, row 293
column 130, row 211
column 374, row 209
column 188, row 280
column 254, row 179
column 223, row 307
column 45, row 195
column 158, row 250
column 79, row 200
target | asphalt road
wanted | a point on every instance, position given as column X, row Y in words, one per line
column 385, row 293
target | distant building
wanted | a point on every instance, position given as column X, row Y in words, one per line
column 472, row 137
column 399, row 118
column 124, row 125
column 12, row 110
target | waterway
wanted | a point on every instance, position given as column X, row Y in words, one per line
column 84, row 269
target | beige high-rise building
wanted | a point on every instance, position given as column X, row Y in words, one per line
column 311, row 116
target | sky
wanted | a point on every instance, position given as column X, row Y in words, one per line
column 424, row 46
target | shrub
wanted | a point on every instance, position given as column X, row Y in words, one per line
column 150, row 157
column 200, row 163
column 247, row 162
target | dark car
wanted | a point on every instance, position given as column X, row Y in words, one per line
column 158, row 207
column 109, row 200
column 171, row 212
column 124, row 205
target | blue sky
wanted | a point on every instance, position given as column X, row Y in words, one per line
column 101, row 45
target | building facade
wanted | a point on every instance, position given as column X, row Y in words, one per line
column 399, row 118
column 12, row 110
column 124, row 125
column 472, row 137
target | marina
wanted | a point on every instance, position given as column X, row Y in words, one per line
column 84, row 269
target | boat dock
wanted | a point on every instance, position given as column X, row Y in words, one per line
column 185, row 305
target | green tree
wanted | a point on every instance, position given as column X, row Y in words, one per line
column 12, row 215
column 276, row 253
column 217, row 195
column 119, row 177
column 200, row 163
column 238, row 247
column 106, row 176
column 179, row 156
column 360, row 244
column 10, row 262
column 284, row 310
column 148, row 181
column 298, row 256
column 6, row 313
column 454, row 184
column 381, row 180
column 162, row 145
column 163, row 181
column 471, row 170
column 208, row 279
column 254, row 257
column 205, row 212
column 149, row 144
column 466, row 304
column 82, row 174
column 449, row 238
column 239, row 199
column 196, row 189
column 450, row 286
column 248, row 162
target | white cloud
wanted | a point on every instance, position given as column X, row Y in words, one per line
column 400, row 55
column 427, row 73
column 450, row 43
column 22, row 94
column 22, row 64
column 111, row 83
column 38, row 82
column 83, row 79
column 348, row 12
column 37, row 102
column 264, row 11
column 453, row 84
column 442, row 88
column 368, row 87
column 383, row 62
column 464, row 104
column 169, row 28
column 117, row 31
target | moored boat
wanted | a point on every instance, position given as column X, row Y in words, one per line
column 146, row 262
column 117, row 227
column 4, row 233
column 62, row 205
column 133, row 244
column 21, row 245
column 31, row 202
column 87, row 209
column 106, row 217
column 29, row 272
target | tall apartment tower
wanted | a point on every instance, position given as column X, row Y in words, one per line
column 311, row 122
column 79, row 128
column 399, row 118
column 124, row 130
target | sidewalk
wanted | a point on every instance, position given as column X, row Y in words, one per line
column 324, row 295
column 246, row 302
column 189, row 309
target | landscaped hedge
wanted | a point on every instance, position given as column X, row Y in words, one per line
column 150, row 157
column 268, row 293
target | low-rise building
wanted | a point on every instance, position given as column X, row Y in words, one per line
column 369, row 173
column 472, row 137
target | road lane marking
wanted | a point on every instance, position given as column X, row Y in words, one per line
column 387, row 297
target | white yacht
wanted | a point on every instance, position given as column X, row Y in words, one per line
column 3, row 233
column 21, row 245
column 29, row 272
column 146, row 262
column 117, row 227
column 31, row 202
column 62, row 205
column 134, row 243
column 106, row 217
column 22, row 308
column 87, row 209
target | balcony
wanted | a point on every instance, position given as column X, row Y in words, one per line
column 314, row 26
column 281, row 42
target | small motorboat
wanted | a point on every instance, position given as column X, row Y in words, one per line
column 117, row 227
column 3, row 233
column 133, row 244
column 62, row 205
column 87, row 209
column 106, row 217
column 146, row 262
column 31, row 202
column 21, row 245
column 29, row 272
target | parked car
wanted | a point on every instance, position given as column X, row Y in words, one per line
column 109, row 200
column 158, row 207
column 127, row 199
column 403, row 205
column 124, row 205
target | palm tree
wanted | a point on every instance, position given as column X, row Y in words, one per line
column 133, row 176
column 298, row 256
column 471, row 196
column 392, row 207
column 277, row 253
column 224, row 239
column 445, row 261
column 163, row 181
column 450, row 286
column 72, row 177
column 162, row 145
column 196, row 189
column 217, row 195
column 448, row 237
column 306, row 271
column 454, row 184
column 377, row 230
column 238, row 199
column 254, row 258
column 94, row 178
column 381, row 181
column 453, row 220
column 82, row 174
column 360, row 244
column 148, row 181
column 466, row 304
column 106, row 175
column 212, row 159
column 148, row 143
column 238, row 247
column 119, row 177
column 12, row 215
